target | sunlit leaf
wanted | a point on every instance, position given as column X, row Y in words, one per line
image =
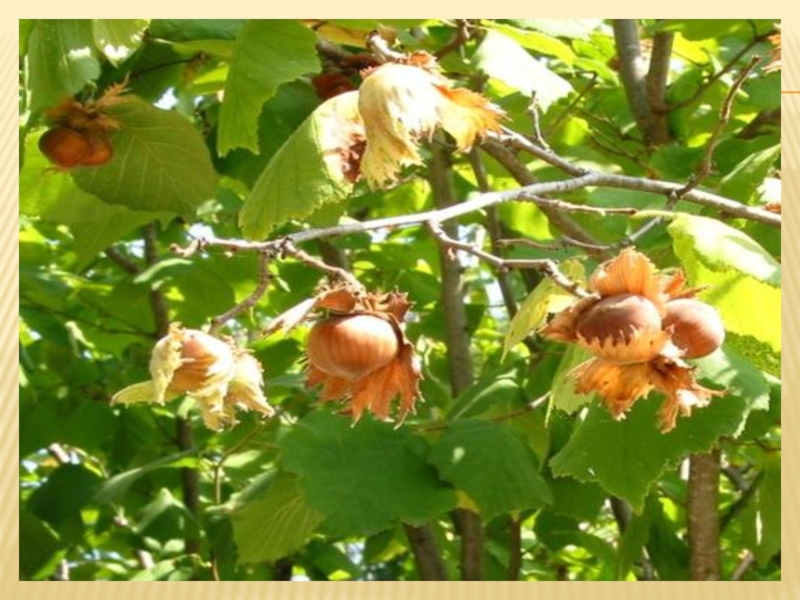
column 160, row 162
column 54, row 197
column 62, row 60
column 363, row 478
column 305, row 173
column 627, row 456
column 118, row 39
column 536, row 41
column 740, row 274
column 271, row 518
column 504, row 59
column 492, row 464
column 267, row 54
column 545, row 299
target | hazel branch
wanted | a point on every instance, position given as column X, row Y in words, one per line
column 252, row 299
column 706, row 164
column 545, row 266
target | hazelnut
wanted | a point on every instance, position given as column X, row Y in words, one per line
column 618, row 317
column 696, row 327
column 352, row 346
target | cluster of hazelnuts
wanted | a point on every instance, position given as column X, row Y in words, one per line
column 694, row 327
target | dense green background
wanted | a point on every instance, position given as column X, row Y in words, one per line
column 562, row 491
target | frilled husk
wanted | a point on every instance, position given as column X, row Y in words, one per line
column 620, row 386
column 641, row 345
column 402, row 104
column 375, row 391
column 625, row 370
column 218, row 376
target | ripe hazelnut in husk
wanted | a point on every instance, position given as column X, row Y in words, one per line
column 218, row 375
column 65, row 147
column 351, row 346
column 617, row 317
column 623, row 329
column 696, row 327
column 639, row 325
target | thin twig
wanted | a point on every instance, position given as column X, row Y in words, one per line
column 461, row 37
column 544, row 265
column 748, row 560
column 480, row 202
column 252, row 299
column 553, row 127
column 494, row 229
column 719, row 74
column 512, row 139
column 705, row 166
column 122, row 261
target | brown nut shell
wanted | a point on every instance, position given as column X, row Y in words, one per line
column 617, row 317
column 696, row 327
column 65, row 147
column 352, row 346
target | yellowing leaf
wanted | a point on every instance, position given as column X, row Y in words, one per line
column 742, row 277
column 503, row 58
column 545, row 299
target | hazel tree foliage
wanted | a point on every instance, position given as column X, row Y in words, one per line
column 400, row 300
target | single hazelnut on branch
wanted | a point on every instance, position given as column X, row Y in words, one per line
column 351, row 346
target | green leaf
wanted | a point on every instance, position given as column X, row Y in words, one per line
column 480, row 399
column 114, row 488
column 578, row 500
column 563, row 394
column 538, row 42
column 118, row 39
column 743, row 182
column 268, row 53
column 271, row 518
column 39, row 546
column 67, row 490
column 634, row 538
column 492, row 464
column 740, row 273
column 504, row 59
column 160, row 162
column 627, row 456
column 54, row 197
column 569, row 28
column 182, row 30
column 762, row 517
column 304, row 173
column 363, row 478
column 546, row 298
column 61, row 58
column 668, row 552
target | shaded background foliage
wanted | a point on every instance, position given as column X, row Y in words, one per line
column 504, row 472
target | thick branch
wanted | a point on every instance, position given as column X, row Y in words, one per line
column 184, row 436
column 703, row 516
column 545, row 266
column 459, row 358
column 429, row 561
column 656, row 83
column 633, row 72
